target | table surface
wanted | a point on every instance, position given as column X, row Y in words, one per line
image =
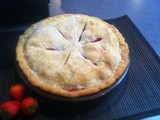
column 144, row 13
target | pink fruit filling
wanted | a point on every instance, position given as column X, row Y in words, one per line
column 74, row 89
column 97, row 40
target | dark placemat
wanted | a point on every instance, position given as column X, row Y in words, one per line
column 137, row 96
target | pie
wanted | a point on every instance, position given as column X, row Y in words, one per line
column 72, row 55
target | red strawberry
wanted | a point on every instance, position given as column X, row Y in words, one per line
column 9, row 109
column 29, row 105
column 17, row 91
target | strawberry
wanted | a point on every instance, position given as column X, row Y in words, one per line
column 9, row 109
column 17, row 91
column 29, row 105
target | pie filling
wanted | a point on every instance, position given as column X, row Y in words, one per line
column 71, row 53
column 74, row 88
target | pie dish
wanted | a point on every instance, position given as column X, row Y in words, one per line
column 72, row 55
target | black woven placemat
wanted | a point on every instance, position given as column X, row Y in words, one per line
column 137, row 96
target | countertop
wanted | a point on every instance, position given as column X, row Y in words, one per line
column 144, row 13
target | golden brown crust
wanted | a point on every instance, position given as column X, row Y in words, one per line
column 33, row 78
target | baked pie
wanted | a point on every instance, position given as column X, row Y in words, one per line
column 72, row 55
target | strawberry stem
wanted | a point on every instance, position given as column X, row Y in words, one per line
column 32, row 109
column 4, row 113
